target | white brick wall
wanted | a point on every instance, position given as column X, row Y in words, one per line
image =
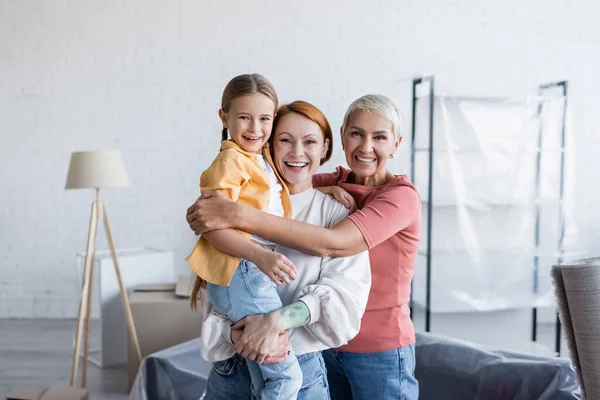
column 145, row 78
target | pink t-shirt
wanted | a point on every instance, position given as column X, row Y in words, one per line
column 389, row 218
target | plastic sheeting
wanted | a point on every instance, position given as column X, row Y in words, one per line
column 446, row 369
column 496, row 201
column 452, row 369
column 176, row 373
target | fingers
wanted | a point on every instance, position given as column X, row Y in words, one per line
column 252, row 356
column 242, row 348
column 245, row 353
column 350, row 202
column 279, row 277
column 272, row 276
column 289, row 268
column 273, row 359
column 282, row 276
column 239, row 325
column 191, row 214
column 196, row 224
column 347, row 202
column 193, row 222
column 208, row 194
column 261, row 358
column 190, row 210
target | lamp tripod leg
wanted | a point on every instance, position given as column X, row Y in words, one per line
column 88, row 315
column 124, row 297
column 89, row 254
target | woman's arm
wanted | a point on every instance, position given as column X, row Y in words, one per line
column 344, row 239
column 214, row 211
column 276, row 266
column 387, row 214
column 261, row 332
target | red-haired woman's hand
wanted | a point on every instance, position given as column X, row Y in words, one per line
column 260, row 336
column 280, row 352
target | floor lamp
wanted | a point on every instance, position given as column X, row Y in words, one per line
column 95, row 170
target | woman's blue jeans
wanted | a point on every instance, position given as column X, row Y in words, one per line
column 230, row 379
column 384, row 375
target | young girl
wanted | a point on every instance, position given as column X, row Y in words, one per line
column 243, row 170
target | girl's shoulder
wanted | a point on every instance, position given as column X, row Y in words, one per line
column 235, row 158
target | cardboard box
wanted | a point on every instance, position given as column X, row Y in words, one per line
column 53, row 393
column 162, row 318
column 138, row 265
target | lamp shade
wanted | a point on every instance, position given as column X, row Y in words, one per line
column 96, row 169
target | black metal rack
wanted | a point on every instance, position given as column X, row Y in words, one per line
column 430, row 81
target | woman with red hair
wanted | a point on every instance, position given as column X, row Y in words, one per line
column 326, row 300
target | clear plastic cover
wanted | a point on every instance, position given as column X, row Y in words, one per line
column 497, row 204
column 452, row 369
column 176, row 373
column 446, row 369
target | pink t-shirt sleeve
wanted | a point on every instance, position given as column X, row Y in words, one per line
column 328, row 179
column 388, row 213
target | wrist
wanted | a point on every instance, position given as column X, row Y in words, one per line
column 256, row 255
column 236, row 216
column 276, row 321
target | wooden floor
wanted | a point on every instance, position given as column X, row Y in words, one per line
column 39, row 353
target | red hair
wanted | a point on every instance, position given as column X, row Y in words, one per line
column 311, row 112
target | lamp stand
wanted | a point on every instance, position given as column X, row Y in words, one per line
column 98, row 211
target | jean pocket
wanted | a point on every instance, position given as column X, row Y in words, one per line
column 220, row 298
column 225, row 367
column 259, row 285
column 313, row 372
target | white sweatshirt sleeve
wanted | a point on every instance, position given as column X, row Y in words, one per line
column 337, row 301
column 215, row 336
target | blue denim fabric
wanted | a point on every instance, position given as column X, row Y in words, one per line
column 384, row 375
column 230, row 379
column 251, row 292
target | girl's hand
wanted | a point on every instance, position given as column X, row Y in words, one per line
column 212, row 210
column 340, row 195
column 260, row 336
column 276, row 266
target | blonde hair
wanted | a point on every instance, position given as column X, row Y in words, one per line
column 243, row 85
column 379, row 104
